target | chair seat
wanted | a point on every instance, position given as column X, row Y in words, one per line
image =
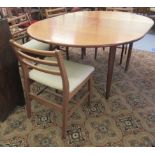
column 34, row 44
column 76, row 73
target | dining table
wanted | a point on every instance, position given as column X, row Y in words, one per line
column 95, row 29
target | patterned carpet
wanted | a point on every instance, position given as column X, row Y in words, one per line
column 127, row 118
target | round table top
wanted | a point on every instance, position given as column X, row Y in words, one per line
column 91, row 28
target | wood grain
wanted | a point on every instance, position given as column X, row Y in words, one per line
column 91, row 28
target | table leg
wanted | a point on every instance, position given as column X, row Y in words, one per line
column 128, row 57
column 95, row 53
column 122, row 54
column 67, row 53
column 111, row 60
column 126, row 48
column 83, row 52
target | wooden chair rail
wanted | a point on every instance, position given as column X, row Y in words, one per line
column 78, row 103
column 18, row 31
column 55, row 12
column 17, row 28
column 19, row 24
column 38, row 60
column 40, row 68
column 46, row 102
column 19, row 17
column 34, row 51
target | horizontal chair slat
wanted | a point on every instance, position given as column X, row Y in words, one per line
column 46, row 102
column 19, row 24
column 16, row 18
column 19, row 31
column 34, row 51
column 19, row 36
column 41, row 68
column 57, row 9
column 53, row 15
column 46, row 62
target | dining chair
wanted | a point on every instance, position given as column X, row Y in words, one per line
column 142, row 10
column 52, row 12
column 19, row 31
column 123, row 9
column 54, row 72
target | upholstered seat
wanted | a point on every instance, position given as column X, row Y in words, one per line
column 34, row 44
column 76, row 73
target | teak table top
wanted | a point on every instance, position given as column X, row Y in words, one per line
column 91, row 28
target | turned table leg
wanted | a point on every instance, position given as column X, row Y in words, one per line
column 111, row 60
column 128, row 57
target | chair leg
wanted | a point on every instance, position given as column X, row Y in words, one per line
column 90, row 89
column 122, row 54
column 83, row 52
column 95, row 53
column 23, row 41
column 126, row 48
column 27, row 97
column 51, row 47
column 28, row 107
column 57, row 47
column 67, row 53
column 27, row 38
column 128, row 57
column 65, row 118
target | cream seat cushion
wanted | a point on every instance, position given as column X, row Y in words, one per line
column 76, row 73
column 34, row 44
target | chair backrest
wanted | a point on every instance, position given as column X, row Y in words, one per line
column 17, row 26
column 55, row 12
column 142, row 10
column 123, row 9
column 29, row 60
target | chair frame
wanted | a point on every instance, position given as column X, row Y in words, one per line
column 24, row 56
column 16, row 23
column 55, row 12
column 122, row 9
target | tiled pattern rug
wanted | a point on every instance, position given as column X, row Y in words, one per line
column 127, row 118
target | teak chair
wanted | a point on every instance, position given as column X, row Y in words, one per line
column 19, row 31
column 52, row 12
column 123, row 9
column 54, row 72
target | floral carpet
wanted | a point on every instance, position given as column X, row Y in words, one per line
column 127, row 118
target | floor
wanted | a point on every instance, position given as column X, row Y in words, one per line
column 126, row 119
column 147, row 43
